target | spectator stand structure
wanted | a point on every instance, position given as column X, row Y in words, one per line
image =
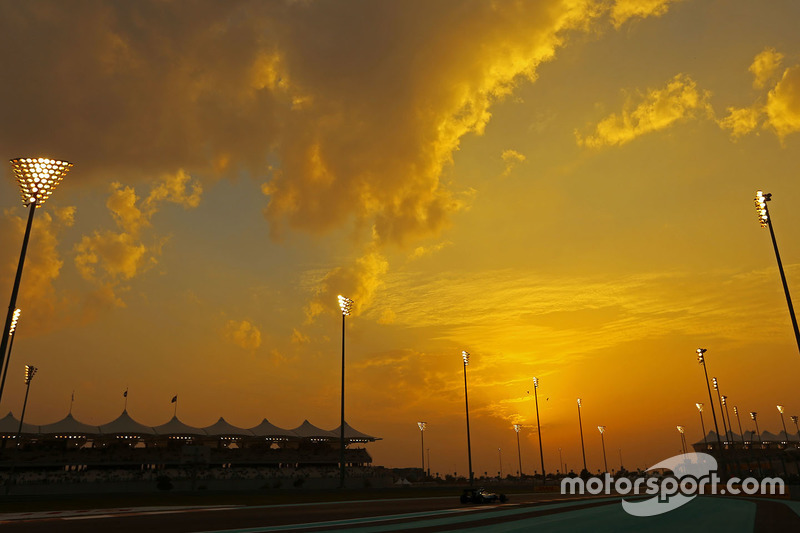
column 70, row 444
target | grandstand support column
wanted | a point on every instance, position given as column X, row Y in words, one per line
column 346, row 304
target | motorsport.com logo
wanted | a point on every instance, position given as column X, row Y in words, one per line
column 694, row 474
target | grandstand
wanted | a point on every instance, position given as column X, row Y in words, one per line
column 126, row 443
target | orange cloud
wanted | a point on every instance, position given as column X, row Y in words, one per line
column 656, row 110
column 358, row 282
column 422, row 251
column 229, row 85
column 299, row 338
column 243, row 334
column 783, row 103
column 781, row 113
column 108, row 258
column 624, row 10
column 741, row 121
column 38, row 297
column 511, row 158
column 174, row 188
column 764, row 66
column 338, row 163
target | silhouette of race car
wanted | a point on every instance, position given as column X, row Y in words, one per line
column 481, row 496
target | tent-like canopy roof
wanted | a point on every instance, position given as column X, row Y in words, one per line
column 267, row 429
column 711, row 438
column 308, row 430
column 223, row 429
column 176, row 427
column 772, row 437
column 352, row 434
column 10, row 425
column 125, row 425
column 68, row 426
column 749, row 436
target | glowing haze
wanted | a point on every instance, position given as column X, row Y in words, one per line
column 563, row 188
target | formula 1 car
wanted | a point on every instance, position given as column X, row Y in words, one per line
column 482, row 496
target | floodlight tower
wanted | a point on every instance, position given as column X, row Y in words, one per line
column 422, row 426
column 794, row 419
column 783, row 421
column 702, row 423
column 728, row 416
column 30, row 371
column 465, row 358
column 580, row 426
column 517, row 428
column 500, row 461
column 721, row 407
column 739, row 422
column 682, row 430
column 539, row 426
column 602, row 430
column 754, row 416
column 346, row 305
column 766, row 222
column 702, row 360
column 37, row 179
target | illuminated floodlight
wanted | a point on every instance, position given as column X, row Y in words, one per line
column 700, row 356
column 14, row 321
column 465, row 356
column 535, row 383
column 346, row 304
column 38, row 177
column 601, row 429
column 794, row 418
column 30, row 371
column 517, row 427
column 780, row 409
column 735, row 410
column 724, row 400
column 761, row 207
column 714, row 382
column 579, row 402
column 422, row 425
column 753, row 415
column 681, row 429
column 699, row 407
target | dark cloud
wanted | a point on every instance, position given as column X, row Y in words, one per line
column 130, row 88
column 359, row 105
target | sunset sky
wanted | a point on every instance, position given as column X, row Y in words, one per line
column 563, row 188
